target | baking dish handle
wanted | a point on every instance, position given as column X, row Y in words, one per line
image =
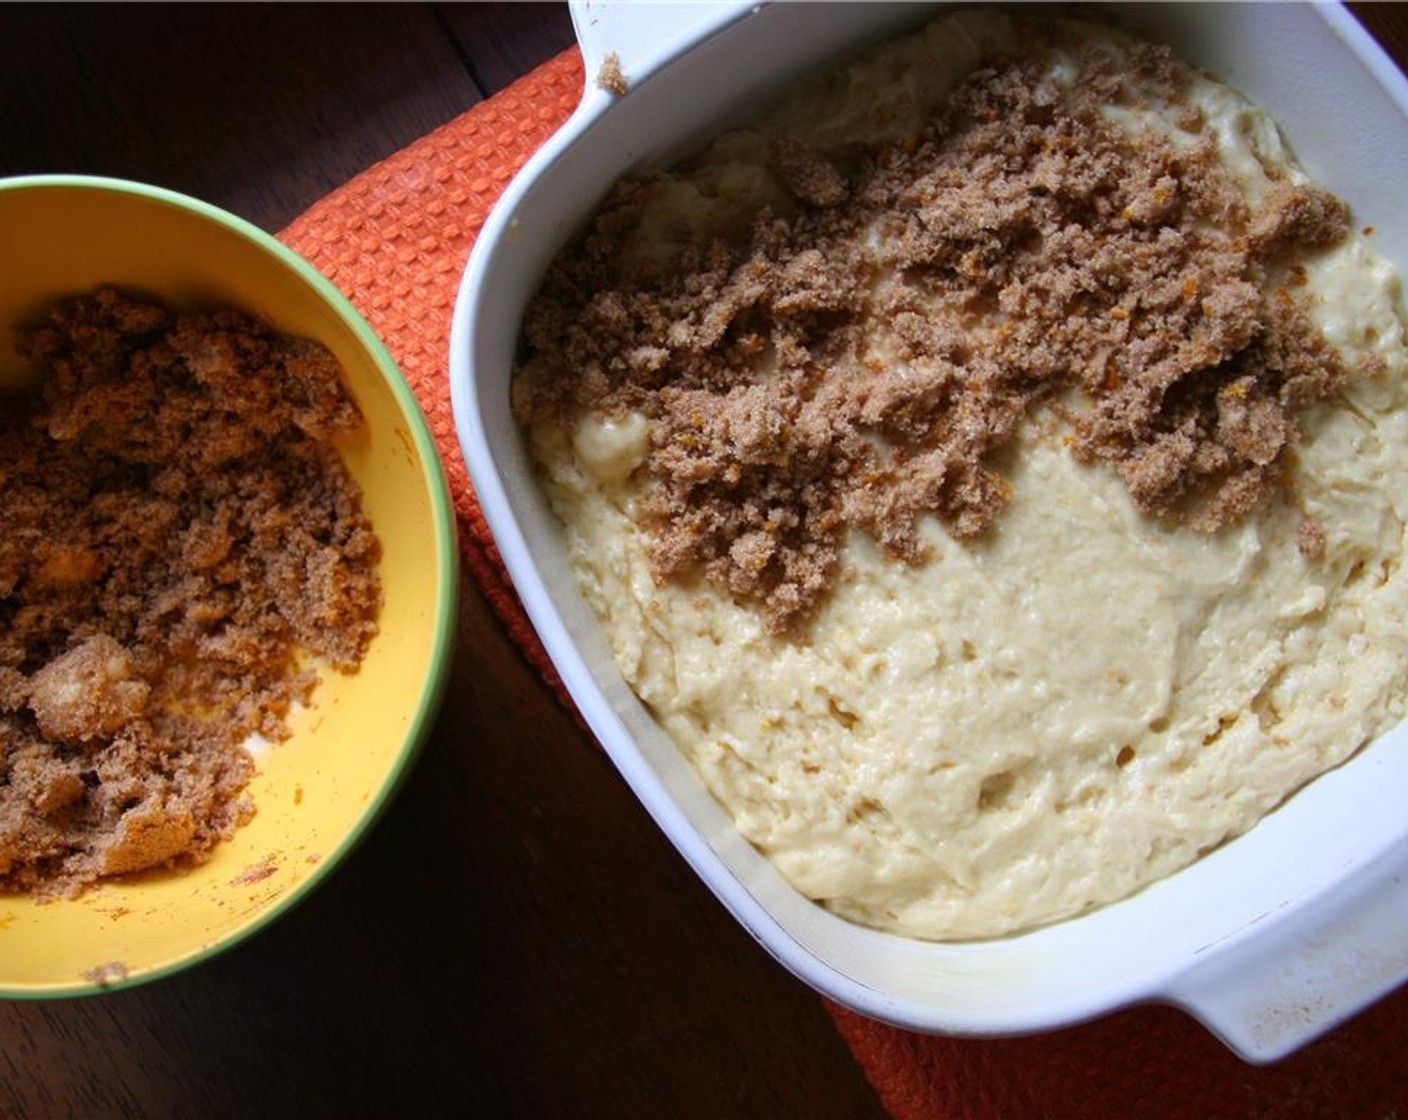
column 644, row 36
column 1271, row 992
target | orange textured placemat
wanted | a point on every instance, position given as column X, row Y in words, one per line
column 395, row 240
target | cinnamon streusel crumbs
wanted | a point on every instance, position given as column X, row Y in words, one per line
column 180, row 535
column 860, row 349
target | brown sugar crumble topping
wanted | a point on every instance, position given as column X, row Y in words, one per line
column 178, row 533
column 859, row 352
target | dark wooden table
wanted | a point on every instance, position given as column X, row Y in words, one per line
column 515, row 938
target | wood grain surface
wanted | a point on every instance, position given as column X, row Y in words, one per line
column 515, row 938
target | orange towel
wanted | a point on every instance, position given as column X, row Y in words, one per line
column 395, row 240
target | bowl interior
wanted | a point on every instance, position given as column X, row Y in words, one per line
column 316, row 792
column 1124, row 952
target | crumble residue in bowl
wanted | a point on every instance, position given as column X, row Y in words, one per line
column 180, row 539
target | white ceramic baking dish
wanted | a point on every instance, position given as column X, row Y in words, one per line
column 1271, row 939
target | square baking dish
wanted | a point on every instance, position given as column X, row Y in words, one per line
column 1269, row 940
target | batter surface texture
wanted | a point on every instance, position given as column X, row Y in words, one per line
column 989, row 469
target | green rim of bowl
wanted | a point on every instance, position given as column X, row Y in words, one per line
column 446, row 553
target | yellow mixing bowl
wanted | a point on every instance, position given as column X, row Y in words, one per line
column 318, row 792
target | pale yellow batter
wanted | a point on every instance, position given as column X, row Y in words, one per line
column 1077, row 703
